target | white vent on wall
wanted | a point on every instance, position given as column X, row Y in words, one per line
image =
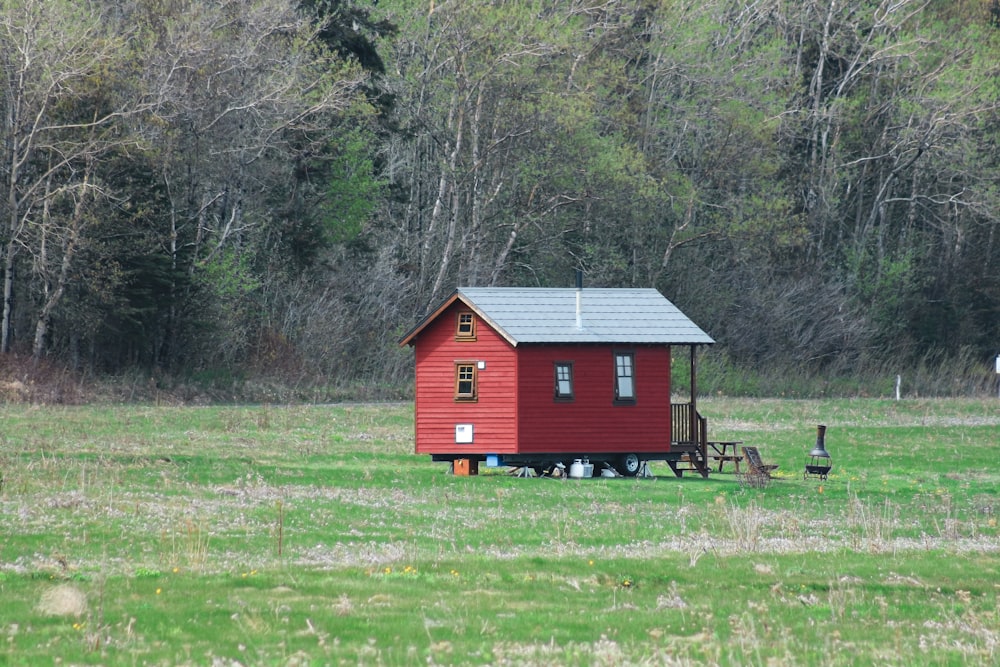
column 463, row 434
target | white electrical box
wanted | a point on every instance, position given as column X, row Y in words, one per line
column 463, row 434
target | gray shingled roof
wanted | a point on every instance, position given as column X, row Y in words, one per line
column 539, row 315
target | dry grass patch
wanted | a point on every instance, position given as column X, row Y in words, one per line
column 63, row 600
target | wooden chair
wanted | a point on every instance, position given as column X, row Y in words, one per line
column 757, row 473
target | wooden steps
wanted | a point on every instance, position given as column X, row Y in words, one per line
column 689, row 460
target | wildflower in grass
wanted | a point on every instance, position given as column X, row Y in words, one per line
column 159, row 590
column 454, row 573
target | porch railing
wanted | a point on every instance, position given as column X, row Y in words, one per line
column 687, row 427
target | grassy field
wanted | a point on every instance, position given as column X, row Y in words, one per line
column 312, row 535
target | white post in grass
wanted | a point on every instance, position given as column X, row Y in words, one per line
column 899, row 381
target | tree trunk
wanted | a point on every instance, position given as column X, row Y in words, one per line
column 54, row 292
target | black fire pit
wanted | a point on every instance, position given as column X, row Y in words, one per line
column 819, row 462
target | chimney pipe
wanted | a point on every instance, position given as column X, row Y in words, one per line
column 579, row 299
column 819, row 451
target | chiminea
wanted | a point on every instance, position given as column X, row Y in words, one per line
column 819, row 462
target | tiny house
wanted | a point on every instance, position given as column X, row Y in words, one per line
column 538, row 378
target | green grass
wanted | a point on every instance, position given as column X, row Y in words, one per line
column 312, row 535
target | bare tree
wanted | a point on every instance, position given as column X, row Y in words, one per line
column 55, row 124
column 245, row 93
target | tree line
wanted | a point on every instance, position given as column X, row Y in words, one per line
column 286, row 186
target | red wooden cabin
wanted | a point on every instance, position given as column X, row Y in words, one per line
column 533, row 377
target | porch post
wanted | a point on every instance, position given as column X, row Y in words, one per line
column 693, row 404
column 694, row 380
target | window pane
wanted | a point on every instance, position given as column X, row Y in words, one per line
column 624, row 385
column 466, row 326
column 465, row 381
column 564, row 380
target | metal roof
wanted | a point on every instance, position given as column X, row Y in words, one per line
column 541, row 315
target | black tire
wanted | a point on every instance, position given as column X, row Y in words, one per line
column 630, row 465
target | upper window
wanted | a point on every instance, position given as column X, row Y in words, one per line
column 625, row 377
column 465, row 381
column 564, row 380
column 465, row 327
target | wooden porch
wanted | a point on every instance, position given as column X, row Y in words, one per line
column 689, row 441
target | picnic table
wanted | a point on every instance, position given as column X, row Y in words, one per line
column 726, row 452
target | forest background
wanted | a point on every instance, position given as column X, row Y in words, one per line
column 255, row 199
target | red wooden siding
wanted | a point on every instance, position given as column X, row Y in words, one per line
column 592, row 422
column 516, row 411
column 493, row 415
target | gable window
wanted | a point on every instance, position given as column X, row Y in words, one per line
column 624, row 377
column 564, row 380
column 465, row 381
column 465, row 328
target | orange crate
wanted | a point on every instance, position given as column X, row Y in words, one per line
column 466, row 467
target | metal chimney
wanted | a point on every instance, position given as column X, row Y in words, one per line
column 579, row 299
column 819, row 451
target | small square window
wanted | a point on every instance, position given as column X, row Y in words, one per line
column 465, row 381
column 465, row 328
column 564, row 381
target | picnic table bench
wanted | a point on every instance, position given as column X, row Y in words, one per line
column 726, row 452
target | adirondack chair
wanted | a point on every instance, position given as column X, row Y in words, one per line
column 757, row 473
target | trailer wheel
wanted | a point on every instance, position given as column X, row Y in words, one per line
column 630, row 465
